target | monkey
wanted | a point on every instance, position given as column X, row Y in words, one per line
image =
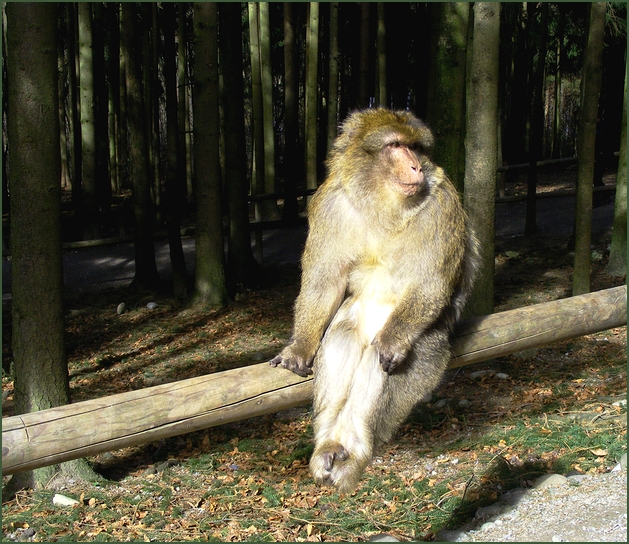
column 388, row 264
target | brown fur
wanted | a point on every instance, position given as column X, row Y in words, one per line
column 387, row 267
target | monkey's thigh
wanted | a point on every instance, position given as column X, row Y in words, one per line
column 344, row 436
column 413, row 381
column 335, row 364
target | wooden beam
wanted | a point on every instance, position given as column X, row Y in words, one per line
column 95, row 426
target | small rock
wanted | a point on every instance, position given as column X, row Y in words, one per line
column 151, row 305
column 441, row 403
column 502, row 376
column 122, row 307
column 382, row 537
column 550, row 480
column 488, row 511
column 622, row 464
column 479, row 374
column 487, row 526
column 464, row 403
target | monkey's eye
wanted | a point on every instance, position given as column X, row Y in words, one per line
column 395, row 144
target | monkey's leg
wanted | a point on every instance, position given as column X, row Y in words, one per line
column 346, row 448
column 418, row 376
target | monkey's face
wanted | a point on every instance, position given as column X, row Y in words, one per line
column 404, row 171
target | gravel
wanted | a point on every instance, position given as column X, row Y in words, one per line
column 578, row 508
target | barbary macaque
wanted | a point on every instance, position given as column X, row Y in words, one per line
column 388, row 264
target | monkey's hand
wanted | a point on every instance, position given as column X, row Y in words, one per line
column 295, row 360
column 391, row 351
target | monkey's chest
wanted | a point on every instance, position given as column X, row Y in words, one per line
column 372, row 296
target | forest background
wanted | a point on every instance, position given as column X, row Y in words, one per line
column 125, row 118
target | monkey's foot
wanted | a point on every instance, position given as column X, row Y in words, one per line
column 332, row 464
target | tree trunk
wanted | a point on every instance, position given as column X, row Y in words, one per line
column 266, row 86
column 446, row 91
column 38, row 340
column 291, row 113
column 590, row 90
column 88, row 136
column 173, row 194
column 481, row 148
column 146, row 275
column 382, row 98
column 210, row 289
column 101, row 115
column 312, row 61
column 241, row 266
column 537, row 118
column 333, row 92
column 184, row 141
column 365, row 50
column 556, row 145
column 617, row 265
column 257, row 171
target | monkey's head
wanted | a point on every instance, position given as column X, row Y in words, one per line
column 383, row 153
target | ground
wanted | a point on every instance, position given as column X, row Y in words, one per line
column 557, row 408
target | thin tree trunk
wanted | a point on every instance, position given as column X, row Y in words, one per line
column 333, row 92
column 312, row 61
column 88, row 135
column 173, row 194
column 184, row 120
column 146, row 275
column 617, row 265
column 74, row 104
column 381, row 59
column 363, row 66
column 590, row 89
column 242, row 268
column 210, row 288
column 537, row 120
column 556, row 145
column 291, row 113
column 266, row 87
column 481, row 149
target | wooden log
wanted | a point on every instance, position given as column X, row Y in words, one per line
column 95, row 426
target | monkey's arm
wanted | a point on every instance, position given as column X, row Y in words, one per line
column 426, row 299
column 325, row 265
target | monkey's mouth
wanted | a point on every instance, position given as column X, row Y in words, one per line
column 408, row 189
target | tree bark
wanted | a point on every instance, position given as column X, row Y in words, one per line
column 173, row 192
column 210, row 287
column 312, row 61
column 190, row 405
column 590, row 89
column 617, row 265
column 481, row 149
column 146, row 275
column 333, row 92
column 382, row 98
column 446, row 90
column 89, row 211
column 242, row 268
column 38, row 337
